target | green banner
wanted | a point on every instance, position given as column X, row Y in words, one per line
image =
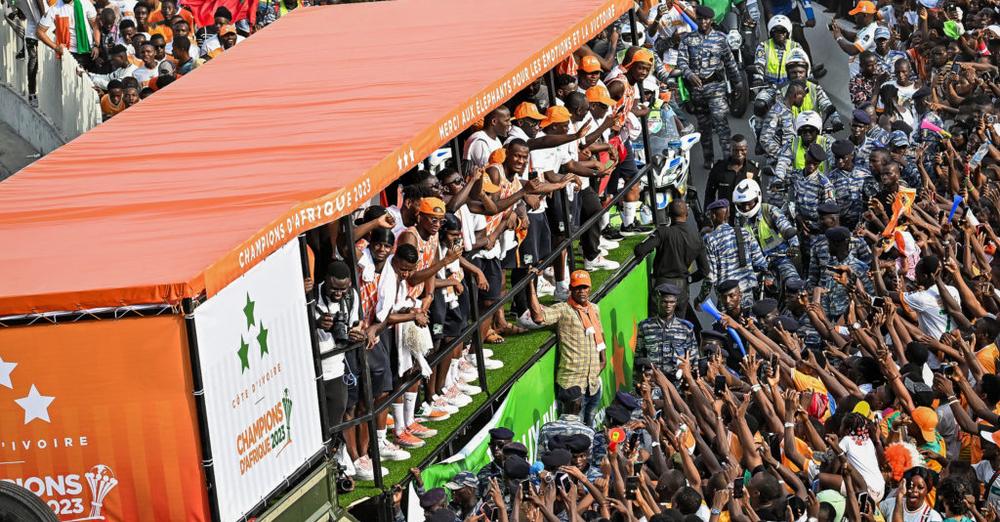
column 531, row 401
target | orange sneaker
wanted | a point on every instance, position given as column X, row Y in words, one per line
column 407, row 440
column 389, row 421
column 433, row 414
column 420, row 431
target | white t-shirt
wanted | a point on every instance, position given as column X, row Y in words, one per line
column 862, row 457
column 212, row 43
column 333, row 367
column 904, row 100
column 924, row 514
column 671, row 22
column 931, row 314
column 864, row 42
column 32, row 15
column 399, row 227
column 478, row 148
column 144, row 75
column 393, row 293
column 64, row 10
column 984, row 472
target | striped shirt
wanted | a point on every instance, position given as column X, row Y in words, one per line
column 723, row 257
column 852, row 190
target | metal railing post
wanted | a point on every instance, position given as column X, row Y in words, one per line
column 568, row 217
column 324, row 421
column 477, row 335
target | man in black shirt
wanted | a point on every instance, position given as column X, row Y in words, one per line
column 677, row 246
column 726, row 173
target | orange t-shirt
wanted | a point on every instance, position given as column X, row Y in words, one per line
column 109, row 109
column 157, row 17
column 988, row 358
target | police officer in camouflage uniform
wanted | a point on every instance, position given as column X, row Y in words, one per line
column 499, row 437
column 569, row 421
column 666, row 338
column 778, row 129
column 704, row 59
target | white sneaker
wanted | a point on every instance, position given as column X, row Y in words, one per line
column 429, row 413
column 560, row 293
column 487, row 353
column 469, row 389
column 467, row 370
column 602, row 252
column 544, row 287
column 608, row 244
column 456, row 398
column 390, row 451
column 363, row 469
column 600, row 263
column 525, row 321
column 493, row 364
column 33, row 100
column 442, row 403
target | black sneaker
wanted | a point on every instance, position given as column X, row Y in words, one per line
column 635, row 229
column 612, row 233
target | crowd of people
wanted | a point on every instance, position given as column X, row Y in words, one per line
column 133, row 48
column 824, row 341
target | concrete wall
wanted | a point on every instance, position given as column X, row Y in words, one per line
column 68, row 105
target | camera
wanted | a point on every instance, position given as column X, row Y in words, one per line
column 340, row 327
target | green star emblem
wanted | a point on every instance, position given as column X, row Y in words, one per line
column 248, row 311
column 244, row 353
column 262, row 339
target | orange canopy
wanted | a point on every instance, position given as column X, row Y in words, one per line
column 289, row 130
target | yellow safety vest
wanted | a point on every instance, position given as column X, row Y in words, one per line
column 799, row 160
column 808, row 102
column 765, row 235
column 775, row 67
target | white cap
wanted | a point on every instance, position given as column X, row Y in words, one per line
column 810, row 118
column 779, row 21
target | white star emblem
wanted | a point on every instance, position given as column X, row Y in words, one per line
column 5, row 369
column 36, row 405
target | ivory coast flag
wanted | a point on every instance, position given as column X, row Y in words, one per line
column 97, row 418
column 901, row 205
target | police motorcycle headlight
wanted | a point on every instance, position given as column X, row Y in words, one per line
column 734, row 39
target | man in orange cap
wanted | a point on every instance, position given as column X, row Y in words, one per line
column 581, row 341
column 423, row 236
column 526, row 122
column 588, row 74
column 855, row 43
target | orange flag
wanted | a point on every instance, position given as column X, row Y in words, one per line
column 901, row 205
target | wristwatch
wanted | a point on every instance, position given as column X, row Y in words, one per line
column 716, row 511
column 856, row 326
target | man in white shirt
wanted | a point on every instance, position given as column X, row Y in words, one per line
column 855, row 43
column 482, row 143
column 337, row 323
column 84, row 43
column 925, row 304
column 121, row 67
column 148, row 71
column 33, row 11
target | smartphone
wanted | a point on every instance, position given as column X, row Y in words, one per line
column 526, row 489
column 949, row 369
column 878, row 302
column 955, row 67
column 637, row 468
column 774, row 443
column 631, row 486
column 563, row 481
column 633, row 441
column 863, row 501
column 738, row 488
column 720, row 385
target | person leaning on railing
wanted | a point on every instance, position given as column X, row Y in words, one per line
column 582, row 353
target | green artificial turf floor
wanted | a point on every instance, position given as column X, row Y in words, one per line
column 514, row 353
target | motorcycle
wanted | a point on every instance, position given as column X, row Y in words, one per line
column 671, row 171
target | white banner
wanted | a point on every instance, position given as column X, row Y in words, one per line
column 260, row 382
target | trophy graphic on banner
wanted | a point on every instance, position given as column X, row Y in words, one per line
column 286, row 402
column 101, row 480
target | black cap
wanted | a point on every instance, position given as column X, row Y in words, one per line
column 501, row 433
column 432, row 498
column 515, row 467
column 641, row 363
column 728, row 285
column 578, row 443
column 816, row 153
column 828, row 208
column 703, row 11
column 569, row 394
column 555, row 458
column 617, row 415
column 838, row 234
column 861, row 116
column 627, row 400
column 515, row 448
column 922, row 92
column 795, row 285
column 668, row 289
column 841, row 148
column 558, row 442
column 764, row 306
column 788, row 323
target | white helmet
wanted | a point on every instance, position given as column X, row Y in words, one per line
column 747, row 191
column 810, row 119
column 779, row 21
column 797, row 56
